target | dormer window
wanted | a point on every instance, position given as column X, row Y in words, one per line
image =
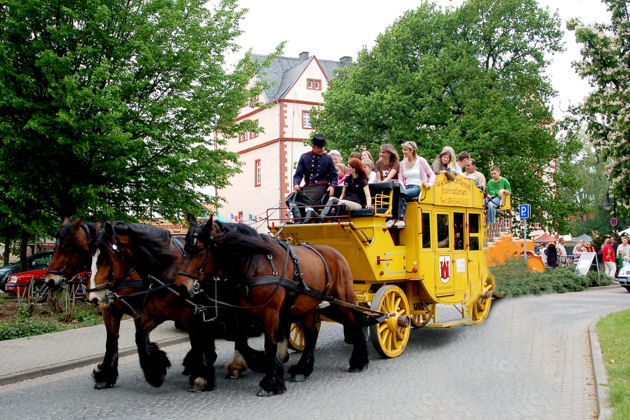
column 314, row 84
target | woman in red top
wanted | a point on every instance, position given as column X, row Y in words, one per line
column 608, row 256
column 355, row 193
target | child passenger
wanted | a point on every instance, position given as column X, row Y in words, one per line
column 496, row 189
column 368, row 165
column 356, row 192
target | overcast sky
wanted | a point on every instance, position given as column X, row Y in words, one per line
column 330, row 29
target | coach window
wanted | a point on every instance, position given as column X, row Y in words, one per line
column 426, row 230
column 473, row 226
column 442, row 231
column 458, row 230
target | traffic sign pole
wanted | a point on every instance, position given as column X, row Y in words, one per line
column 523, row 212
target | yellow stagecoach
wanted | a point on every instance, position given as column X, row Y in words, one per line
column 438, row 259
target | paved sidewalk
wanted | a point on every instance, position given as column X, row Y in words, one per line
column 26, row 358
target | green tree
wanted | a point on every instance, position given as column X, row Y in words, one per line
column 472, row 79
column 606, row 64
column 110, row 109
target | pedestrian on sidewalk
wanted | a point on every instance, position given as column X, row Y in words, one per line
column 552, row 255
column 608, row 256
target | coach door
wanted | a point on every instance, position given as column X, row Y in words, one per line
column 473, row 246
column 444, row 282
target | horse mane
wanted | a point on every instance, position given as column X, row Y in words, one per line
column 66, row 233
column 152, row 246
column 241, row 239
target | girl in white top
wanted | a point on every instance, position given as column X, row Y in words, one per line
column 414, row 170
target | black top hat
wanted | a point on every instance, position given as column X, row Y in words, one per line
column 318, row 140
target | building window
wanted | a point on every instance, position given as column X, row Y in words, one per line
column 257, row 173
column 306, row 119
column 314, row 84
column 243, row 136
column 253, row 100
column 252, row 134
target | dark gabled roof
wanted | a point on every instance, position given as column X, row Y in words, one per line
column 284, row 72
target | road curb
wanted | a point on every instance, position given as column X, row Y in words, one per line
column 599, row 374
column 75, row 363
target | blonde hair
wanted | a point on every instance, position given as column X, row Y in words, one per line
column 411, row 145
column 368, row 163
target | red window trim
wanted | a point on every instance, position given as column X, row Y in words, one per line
column 309, row 120
column 253, row 134
column 242, row 137
column 310, row 84
column 257, row 172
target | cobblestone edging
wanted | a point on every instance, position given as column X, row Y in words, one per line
column 604, row 410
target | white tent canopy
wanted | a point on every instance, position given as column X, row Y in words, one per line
column 625, row 232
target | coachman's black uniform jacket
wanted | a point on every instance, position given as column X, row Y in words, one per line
column 315, row 169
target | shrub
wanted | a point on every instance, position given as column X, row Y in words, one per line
column 513, row 279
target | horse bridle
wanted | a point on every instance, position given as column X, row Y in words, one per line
column 196, row 288
column 62, row 272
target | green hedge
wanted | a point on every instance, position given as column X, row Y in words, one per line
column 513, row 279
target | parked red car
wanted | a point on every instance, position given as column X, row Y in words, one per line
column 20, row 283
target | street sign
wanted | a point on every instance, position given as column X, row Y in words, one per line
column 523, row 211
column 613, row 222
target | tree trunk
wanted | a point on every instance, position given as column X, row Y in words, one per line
column 23, row 247
column 7, row 249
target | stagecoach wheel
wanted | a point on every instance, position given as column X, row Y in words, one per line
column 420, row 320
column 390, row 337
column 296, row 336
column 481, row 307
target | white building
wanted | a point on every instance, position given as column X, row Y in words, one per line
column 269, row 158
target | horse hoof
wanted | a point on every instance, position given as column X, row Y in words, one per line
column 299, row 377
column 357, row 369
column 200, row 385
column 103, row 385
column 262, row 393
column 232, row 374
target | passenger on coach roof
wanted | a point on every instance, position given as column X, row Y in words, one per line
column 444, row 163
column 463, row 159
column 356, row 192
column 414, row 170
column 342, row 173
column 356, row 155
column 368, row 165
column 320, row 178
column 496, row 190
column 336, row 156
column 387, row 166
column 475, row 175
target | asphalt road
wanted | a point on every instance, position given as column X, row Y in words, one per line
column 529, row 360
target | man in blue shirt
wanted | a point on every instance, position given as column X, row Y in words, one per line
column 320, row 178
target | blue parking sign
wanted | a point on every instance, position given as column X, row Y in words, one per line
column 523, row 211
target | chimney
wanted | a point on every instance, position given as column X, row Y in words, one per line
column 345, row 60
column 304, row 55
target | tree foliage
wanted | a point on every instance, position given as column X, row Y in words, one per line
column 472, row 79
column 109, row 109
column 606, row 65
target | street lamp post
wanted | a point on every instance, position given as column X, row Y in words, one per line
column 611, row 205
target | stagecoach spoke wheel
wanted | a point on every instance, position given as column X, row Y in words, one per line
column 420, row 320
column 296, row 336
column 481, row 307
column 390, row 337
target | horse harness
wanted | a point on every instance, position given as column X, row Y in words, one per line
column 295, row 286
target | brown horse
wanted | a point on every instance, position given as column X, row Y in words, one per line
column 255, row 268
column 155, row 255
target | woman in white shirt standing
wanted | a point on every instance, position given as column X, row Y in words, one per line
column 414, row 170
